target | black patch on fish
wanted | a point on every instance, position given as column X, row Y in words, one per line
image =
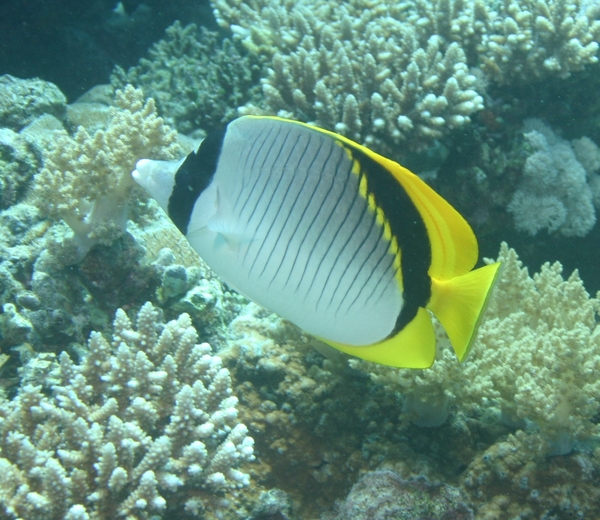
column 193, row 177
column 410, row 231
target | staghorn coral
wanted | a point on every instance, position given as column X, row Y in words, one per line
column 527, row 40
column 196, row 78
column 414, row 97
column 518, row 41
column 145, row 424
column 85, row 179
column 341, row 67
column 389, row 74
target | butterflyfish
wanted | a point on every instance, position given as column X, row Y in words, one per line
column 348, row 245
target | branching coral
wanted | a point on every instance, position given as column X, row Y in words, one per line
column 388, row 73
column 539, row 353
column 86, row 178
column 529, row 40
column 196, row 79
column 361, row 70
column 379, row 101
column 146, row 424
column 536, row 357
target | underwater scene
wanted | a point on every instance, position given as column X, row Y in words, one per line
column 299, row 259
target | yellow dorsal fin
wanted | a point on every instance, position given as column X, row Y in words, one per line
column 454, row 248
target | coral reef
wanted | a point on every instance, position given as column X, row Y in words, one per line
column 22, row 239
column 86, row 178
column 63, row 304
column 24, row 100
column 340, row 69
column 535, row 358
column 318, row 424
column 560, row 184
column 194, row 290
column 17, row 164
column 509, row 481
column 51, row 296
column 538, row 352
column 55, row 305
column 24, row 106
column 145, row 424
column 301, row 408
column 52, row 293
column 398, row 74
column 273, row 504
column 526, row 40
column 386, row 496
column 196, row 78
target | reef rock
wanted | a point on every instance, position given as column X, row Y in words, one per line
column 23, row 100
column 384, row 495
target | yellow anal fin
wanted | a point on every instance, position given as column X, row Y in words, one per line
column 460, row 303
column 412, row 347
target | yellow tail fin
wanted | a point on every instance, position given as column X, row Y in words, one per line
column 459, row 304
